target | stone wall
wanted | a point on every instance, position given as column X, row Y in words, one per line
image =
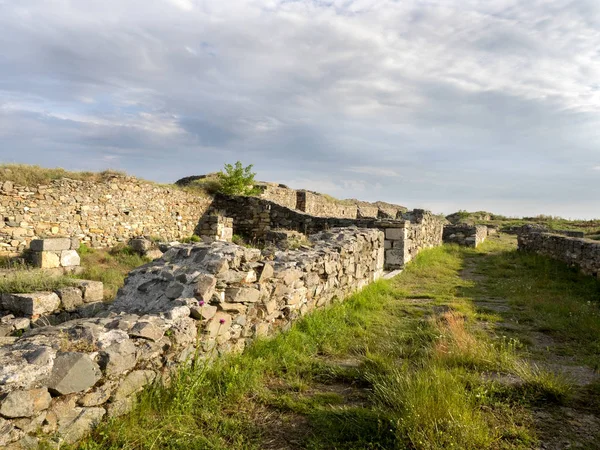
column 321, row 206
column 424, row 230
column 255, row 217
column 279, row 194
column 517, row 229
column 581, row 253
column 101, row 214
column 465, row 234
column 198, row 299
column 215, row 228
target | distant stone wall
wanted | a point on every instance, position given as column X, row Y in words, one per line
column 100, row 214
column 321, row 206
column 517, row 229
column 283, row 196
column 198, row 299
column 465, row 234
column 581, row 253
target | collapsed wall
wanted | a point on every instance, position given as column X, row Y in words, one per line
column 99, row 213
column 581, row 253
column 203, row 299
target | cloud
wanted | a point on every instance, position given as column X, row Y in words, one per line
column 452, row 104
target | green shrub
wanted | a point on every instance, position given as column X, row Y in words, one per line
column 237, row 180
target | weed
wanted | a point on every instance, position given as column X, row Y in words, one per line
column 31, row 280
column 109, row 266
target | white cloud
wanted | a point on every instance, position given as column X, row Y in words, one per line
column 441, row 101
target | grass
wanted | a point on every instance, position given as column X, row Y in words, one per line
column 404, row 363
column 25, row 281
column 589, row 227
column 549, row 296
column 109, row 266
column 27, row 175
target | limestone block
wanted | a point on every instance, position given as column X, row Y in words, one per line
column 133, row 382
column 85, row 420
column 75, row 243
column 120, row 407
column 69, row 258
column 267, row 272
column 218, row 325
column 25, row 403
column 70, row 298
column 118, row 358
column 205, row 287
column 45, row 260
column 52, row 244
column 140, row 245
column 204, row 312
column 242, row 295
column 31, row 304
column 147, row 330
column 98, row 396
column 395, row 234
column 394, row 258
column 93, row 291
column 73, row 372
column 8, row 433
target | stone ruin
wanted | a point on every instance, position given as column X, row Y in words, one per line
column 55, row 253
column 581, row 253
column 215, row 296
column 465, row 234
column 60, row 381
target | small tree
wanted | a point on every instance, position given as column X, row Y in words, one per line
column 237, row 180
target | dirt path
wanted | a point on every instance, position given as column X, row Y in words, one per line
column 576, row 423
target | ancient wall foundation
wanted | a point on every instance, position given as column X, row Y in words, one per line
column 465, row 234
column 100, row 214
column 581, row 253
column 59, row 382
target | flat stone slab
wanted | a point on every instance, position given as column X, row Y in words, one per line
column 392, row 274
column 52, row 244
column 73, row 372
column 37, row 303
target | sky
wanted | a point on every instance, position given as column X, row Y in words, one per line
column 439, row 104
